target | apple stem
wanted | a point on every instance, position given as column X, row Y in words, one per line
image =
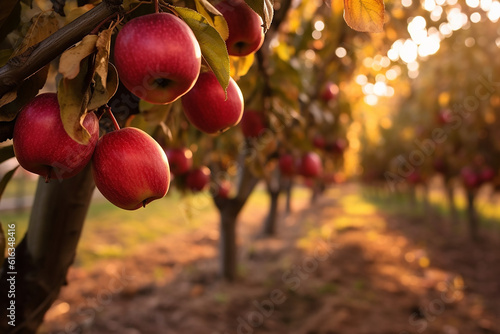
column 115, row 123
column 157, row 6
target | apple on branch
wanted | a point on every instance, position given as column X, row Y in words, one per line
column 246, row 34
column 180, row 160
column 197, row 179
column 157, row 57
column 43, row 147
column 207, row 108
column 130, row 168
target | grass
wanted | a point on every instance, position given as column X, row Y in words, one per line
column 110, row 232
column 488, row 209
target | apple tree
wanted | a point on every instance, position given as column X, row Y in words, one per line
column 169, row 63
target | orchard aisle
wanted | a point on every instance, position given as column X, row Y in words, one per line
column 340, row 266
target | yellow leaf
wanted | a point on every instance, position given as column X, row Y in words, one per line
column 364, row 15
column 240, row 65
column 213, row 16
column 69, row 65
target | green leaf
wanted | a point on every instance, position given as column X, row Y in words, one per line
column 211, row 43
column 265, row 9
column 364, row 15
column 69, row 64
column 73, row 96
column 6, row 153
column 5, row 180
column 213, row 16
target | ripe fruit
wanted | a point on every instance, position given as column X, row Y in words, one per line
column 43, row 147
column 206, row 107
column 469, row 177
column 197, row 179
column 310, row 165
column 288, row 165
column 444, row 116
column 245, row 27
column 222, row 189
column 486, row 174
column 319, row 142
column 180, row 160
column 157, row 57
column 330, row 92
column 253, row 124
column 130, row 169
column 338, row 146
column 414, row 177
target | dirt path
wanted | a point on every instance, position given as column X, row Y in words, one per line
column 338, row 267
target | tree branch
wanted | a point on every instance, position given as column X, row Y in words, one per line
column 21, row 67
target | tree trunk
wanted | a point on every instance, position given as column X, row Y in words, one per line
column 472, row 215
column 47, row 250
column 272, row 217
column 228, row 250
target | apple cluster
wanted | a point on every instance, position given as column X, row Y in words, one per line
column 129, row 167
column 158, row 59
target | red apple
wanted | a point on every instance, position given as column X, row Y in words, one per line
column 486, row 174
column 444, row 116
column 41, row 144
column 310, row 165
column 157, row 57
column 206, row 107
column 245, row 27
column 180, row 160
column 222, row 189
column 319, row 142
column 130, row 169
column 197, row 179
column 469, row 177
column 414, row 177
column 338, row 146
column 330, row 92
column 253, row 124
column 288, row 165
column 440, row 166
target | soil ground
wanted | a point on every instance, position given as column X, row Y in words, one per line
column 339, row 266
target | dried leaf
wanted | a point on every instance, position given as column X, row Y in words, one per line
column 43, row 25
column 105, row 76
column 213, row 16
column 104, row 92
column 69, row 64
column 8, row 98
column 73, row 96
column 25, row 93
column 364, row 15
